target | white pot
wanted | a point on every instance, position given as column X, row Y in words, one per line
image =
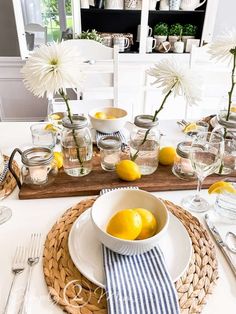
column 152, row 4
column 164, row 5
column 159, row 39
column 185, row 38
column 114, row 4
column 84, row 4
column 174, row 4
column 172, row 40
column 131, row 4
column 179, row 47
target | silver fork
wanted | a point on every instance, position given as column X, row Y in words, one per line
column 33, row 259
column 18, row 266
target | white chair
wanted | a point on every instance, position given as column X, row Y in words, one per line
column 215, row 76
column 100, row 87
column 36, row 35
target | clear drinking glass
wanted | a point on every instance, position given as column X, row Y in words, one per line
column 42, row 136
column 205, row 154
column 5, row 212
column 225, row 205
column 201, row 126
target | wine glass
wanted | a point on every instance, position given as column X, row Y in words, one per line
column 5, row 212
column 205, row 154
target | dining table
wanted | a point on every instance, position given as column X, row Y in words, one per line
column 39, row 215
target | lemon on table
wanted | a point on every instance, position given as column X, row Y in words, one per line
column 58, row 159
column 190, row 127
column 125, row 224
column 149, row 223
column 50, row 127
column 128, row 170
column 221, row 187
column 100, row 115
column 167, row 155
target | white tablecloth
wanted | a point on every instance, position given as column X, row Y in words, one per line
column 39, row 216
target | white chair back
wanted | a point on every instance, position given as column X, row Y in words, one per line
column 101, row 78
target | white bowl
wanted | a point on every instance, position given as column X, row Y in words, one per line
column 109, row 203
column 108, row 125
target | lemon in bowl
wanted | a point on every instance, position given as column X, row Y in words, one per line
column 109, row 204
column 108, row 119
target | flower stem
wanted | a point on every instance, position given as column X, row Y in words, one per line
column 230, row 93
column 134, row 157
column 65, row 98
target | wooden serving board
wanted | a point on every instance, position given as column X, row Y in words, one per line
column 64, row 185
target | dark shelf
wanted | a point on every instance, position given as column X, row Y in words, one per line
column 180, row 12
column 111, row 21
column 130, row 12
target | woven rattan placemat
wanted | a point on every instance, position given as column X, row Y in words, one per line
column 75, row 294
column 9, row 183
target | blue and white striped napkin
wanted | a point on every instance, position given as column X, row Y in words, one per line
column 139, row 284
column 4, row 172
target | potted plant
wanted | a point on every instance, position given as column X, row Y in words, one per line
column 189, row 32
column 174, row 33
column 179, row 44
column 92, row 35
column 160, row 33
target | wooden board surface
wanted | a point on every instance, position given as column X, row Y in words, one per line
column 64, row 185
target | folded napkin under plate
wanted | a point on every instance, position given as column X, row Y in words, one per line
column 139, row 284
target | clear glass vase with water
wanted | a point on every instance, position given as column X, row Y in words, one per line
column 77, row 147
column 146, row 151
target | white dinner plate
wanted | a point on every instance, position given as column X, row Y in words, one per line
column 86, row 251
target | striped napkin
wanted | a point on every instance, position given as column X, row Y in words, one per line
column 4, row 172
column 139, row 284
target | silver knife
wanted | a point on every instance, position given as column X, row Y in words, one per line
column 219, row 241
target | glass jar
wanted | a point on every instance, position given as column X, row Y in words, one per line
column 110, row 151
column 146, row 153
column 224, row 125
column 38, row 168
column 225, row 204
column 182, row 167
column 228, row 129
column 77, row 146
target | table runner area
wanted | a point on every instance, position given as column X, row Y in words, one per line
column 75, row 294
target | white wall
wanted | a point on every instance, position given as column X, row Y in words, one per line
column 225, row 18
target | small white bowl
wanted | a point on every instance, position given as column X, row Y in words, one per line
column 109, row 203
column 108, row 125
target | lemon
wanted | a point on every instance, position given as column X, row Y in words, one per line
column 128, row 170
column 111, row 117
column 233, row 109
column 190, row 127
column 125, row 224
column 50, row 127
column 149, row 223
column 58, row 159
column 100, row 115
column 56, row 116
column 167, row 155
column 221, row 187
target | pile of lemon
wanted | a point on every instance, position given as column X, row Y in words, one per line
column 132, row 224
column 103, row 115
